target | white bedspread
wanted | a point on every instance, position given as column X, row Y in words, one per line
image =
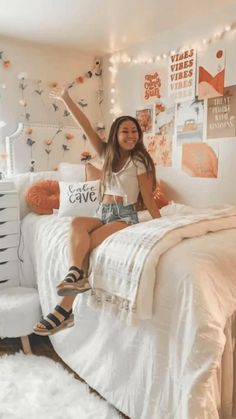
column 124, row 267
column 162, row 368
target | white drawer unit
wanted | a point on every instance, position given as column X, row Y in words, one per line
column 9, row 237
column 9, row 276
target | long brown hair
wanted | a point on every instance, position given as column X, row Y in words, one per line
column 139, row 152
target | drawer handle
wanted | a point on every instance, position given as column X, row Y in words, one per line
column 2, row 194
column 5, row 280
column 3, row 250
column 3, row 222
column 4, row 263
column 1, row 209
column 2, row 237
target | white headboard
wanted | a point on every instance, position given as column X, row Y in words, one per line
column 30, row 152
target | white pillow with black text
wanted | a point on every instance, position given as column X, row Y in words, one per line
column 78, row 198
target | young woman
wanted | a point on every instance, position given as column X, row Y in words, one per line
column 127, row 171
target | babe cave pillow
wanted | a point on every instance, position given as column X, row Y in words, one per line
column 78, row 199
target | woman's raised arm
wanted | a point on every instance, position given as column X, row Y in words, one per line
column 80, row 118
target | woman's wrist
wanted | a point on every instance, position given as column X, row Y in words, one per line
column 65, row 95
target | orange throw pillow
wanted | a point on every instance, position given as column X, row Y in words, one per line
column 43, row 196
column 159, row 196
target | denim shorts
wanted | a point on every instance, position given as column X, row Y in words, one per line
column 117, row 212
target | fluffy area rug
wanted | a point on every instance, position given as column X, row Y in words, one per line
column 36, row 387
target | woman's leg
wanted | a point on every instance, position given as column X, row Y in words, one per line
column 79, row 242
column 79, row 246
column 91, row 233
column 100, row 234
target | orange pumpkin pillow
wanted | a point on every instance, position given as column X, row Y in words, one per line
column 159, row 197
column 43, row 196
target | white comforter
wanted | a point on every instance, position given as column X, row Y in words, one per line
column 122, row 264
column 162, row 368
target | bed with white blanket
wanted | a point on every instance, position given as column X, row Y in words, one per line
column 156, row 335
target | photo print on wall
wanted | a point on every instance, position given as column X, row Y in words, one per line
column 189, row 125
column 145, row 118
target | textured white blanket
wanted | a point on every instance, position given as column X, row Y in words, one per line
column 171, row 360
column 124, row 266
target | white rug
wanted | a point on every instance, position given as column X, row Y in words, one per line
column 36, row 387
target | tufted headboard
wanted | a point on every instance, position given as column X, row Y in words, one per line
column 37, row 147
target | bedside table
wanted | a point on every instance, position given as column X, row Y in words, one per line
column 19, row 306
column 9, row 235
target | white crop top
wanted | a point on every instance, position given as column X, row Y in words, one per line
column 125, row 182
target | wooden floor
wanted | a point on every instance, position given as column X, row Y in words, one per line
column 40, row 346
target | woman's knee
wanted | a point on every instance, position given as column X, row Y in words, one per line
column 84, row 224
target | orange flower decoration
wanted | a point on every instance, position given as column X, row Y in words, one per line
column 85, row 154
column 69, row 136
column 6, row 63
column 28, row 131
column 53, row 84
column 79, row 79
column 48, row 141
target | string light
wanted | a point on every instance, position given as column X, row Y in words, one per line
column 126, row 59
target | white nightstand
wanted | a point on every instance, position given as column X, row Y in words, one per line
column 9, row 235
column 19, row 306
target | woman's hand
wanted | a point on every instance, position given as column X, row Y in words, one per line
column 59, row 93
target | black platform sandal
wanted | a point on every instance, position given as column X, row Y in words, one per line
column 73, row 284
column 55, row 325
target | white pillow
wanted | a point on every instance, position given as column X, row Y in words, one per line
column 69, row 172
column 78, row 199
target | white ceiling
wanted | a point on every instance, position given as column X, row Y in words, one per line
column 99, row 26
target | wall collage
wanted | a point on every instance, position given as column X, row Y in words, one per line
column 187, row 105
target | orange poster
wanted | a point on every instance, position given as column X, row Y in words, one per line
column 159, row 148
column 211, row 71
column 155, row 84
column 200, row 160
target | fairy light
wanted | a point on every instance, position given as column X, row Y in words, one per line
column 227, row 28
column 126, row 59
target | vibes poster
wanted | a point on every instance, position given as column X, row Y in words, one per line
column 221, row 115
column 182, row 75
column 211, row 71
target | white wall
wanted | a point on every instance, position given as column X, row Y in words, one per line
column 181, row 187
column 48, row 64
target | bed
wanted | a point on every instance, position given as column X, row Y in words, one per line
column 156, row 335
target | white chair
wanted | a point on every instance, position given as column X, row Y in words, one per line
column 19, row 311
